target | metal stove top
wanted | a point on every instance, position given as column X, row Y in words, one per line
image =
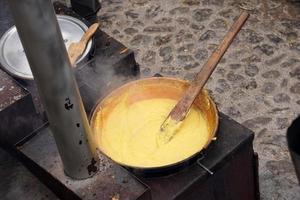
column 113, row 179
column 223, row 157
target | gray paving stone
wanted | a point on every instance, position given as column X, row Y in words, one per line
column 257, row 82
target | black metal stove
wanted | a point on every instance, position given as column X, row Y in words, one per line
column 231, row 157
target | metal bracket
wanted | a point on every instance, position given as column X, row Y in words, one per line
column 203, row 166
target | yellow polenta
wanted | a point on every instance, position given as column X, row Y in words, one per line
column 128, row 135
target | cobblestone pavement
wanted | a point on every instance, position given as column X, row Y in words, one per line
column 257, row 82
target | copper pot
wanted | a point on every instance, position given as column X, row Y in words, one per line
column 153, row 88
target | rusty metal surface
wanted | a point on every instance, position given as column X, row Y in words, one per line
column 111, row 180
column 16, row 106
column 10, row 91
column 17, row 113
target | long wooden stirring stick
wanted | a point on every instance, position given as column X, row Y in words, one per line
column 76, row 49
column 181, row 109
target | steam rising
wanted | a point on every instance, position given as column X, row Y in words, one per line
column 101, row 75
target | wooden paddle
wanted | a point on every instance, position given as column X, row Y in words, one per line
column 76, row 49
column 181, row 109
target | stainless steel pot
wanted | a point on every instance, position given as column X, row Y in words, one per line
column 12, row 55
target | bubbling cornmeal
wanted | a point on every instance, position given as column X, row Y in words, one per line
column 128, row 134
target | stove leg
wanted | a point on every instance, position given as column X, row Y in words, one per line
column 256, row 175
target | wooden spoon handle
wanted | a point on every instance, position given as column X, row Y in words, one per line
column 179, row 112
column 89, row 33
column 76, row 49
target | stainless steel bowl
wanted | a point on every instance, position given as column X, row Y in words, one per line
column 12, row 55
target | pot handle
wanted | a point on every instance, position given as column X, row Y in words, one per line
column 203, row 166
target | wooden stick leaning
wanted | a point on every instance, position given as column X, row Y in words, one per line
column 181, row 109
column 76, row 49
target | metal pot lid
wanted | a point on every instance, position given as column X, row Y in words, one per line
column 12, row 55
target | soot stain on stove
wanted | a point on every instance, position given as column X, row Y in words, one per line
column 92, row 167
column 68, row 104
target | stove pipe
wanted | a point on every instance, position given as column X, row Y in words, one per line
column 46, row 53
